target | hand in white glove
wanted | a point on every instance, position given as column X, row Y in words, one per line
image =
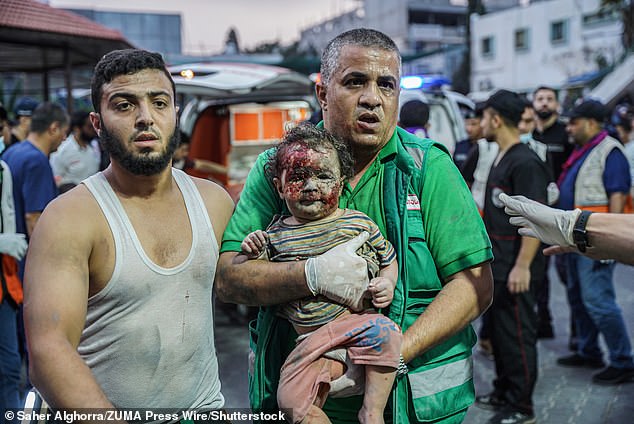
column 352, row 382
column 13, row 244
column 552, row 226
column 340, row 274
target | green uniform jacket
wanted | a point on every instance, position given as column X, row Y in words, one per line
column 439, row 384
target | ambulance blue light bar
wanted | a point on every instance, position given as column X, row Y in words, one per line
column 419, row 81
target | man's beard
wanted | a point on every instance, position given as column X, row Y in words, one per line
column 141, row 163
column 545, row 114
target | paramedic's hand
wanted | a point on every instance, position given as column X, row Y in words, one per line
column 351, row 383
column 340, row 274
column 13, row 244
column 382, row 291
column 254, row 244
column 552, row 226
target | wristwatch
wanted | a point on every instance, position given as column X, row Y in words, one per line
column 579, row 233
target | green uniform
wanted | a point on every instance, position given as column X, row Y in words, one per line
column 421, row 204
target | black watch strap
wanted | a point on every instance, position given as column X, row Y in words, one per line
column 579, row 233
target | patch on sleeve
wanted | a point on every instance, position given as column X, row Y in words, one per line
column 413, row 204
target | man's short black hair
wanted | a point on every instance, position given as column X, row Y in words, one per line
column 314, row 138
column 46, row 114
column 124, row 62
column 414, row 113
column 544, row 87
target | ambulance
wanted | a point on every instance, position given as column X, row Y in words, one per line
column 231, row 112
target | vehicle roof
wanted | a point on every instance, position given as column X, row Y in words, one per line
column 216, row 78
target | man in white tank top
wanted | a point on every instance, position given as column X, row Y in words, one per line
column 120, row 270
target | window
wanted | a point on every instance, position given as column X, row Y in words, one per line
column 487, row 47
column 522, row 39
column 559, row 32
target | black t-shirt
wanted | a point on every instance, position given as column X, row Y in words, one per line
column 559, row 147
column 519, row 172
column 470, row 163
column 461, row 152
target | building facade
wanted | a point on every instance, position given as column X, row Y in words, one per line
column 432, row 30
column 559, row 43
column 157, row 32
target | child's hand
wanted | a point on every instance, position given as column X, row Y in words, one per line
column 253, row 245
column 382, row 291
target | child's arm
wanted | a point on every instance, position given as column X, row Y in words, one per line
column 382, row 287
column 253, row 246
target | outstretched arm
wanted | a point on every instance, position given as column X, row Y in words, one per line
column 610, row 236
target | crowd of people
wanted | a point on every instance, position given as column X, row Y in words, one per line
column 576, row 166
column 344, row 236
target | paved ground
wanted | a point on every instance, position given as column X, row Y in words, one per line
column 567, row 395
column 563, row 395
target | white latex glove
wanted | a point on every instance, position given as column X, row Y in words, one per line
column 552, row 226
column 13, row 244
column 352, row 382
column 340, row 274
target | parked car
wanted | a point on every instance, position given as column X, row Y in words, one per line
column 232, row 112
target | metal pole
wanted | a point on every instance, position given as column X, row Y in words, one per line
column 45, row 82
column 68, row 79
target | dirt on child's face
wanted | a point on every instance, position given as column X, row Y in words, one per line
column 310, row 182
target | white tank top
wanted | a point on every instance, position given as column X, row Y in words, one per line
column 149, row 335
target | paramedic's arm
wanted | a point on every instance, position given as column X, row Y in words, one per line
column 259, row 282
column 339, row 274
column 56, row 296
column 465, row 296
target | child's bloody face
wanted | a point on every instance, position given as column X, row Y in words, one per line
column 310, row 182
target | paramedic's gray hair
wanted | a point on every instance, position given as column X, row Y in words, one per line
column 356, row 37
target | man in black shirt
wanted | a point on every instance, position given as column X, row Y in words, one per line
column 518, row 264
column 549, row 129
column 552, row 132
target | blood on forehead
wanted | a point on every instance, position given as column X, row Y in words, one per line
column 300, row 155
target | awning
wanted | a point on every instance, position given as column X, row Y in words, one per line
column 584, row 79
column 35, row 37
column 616, row 84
